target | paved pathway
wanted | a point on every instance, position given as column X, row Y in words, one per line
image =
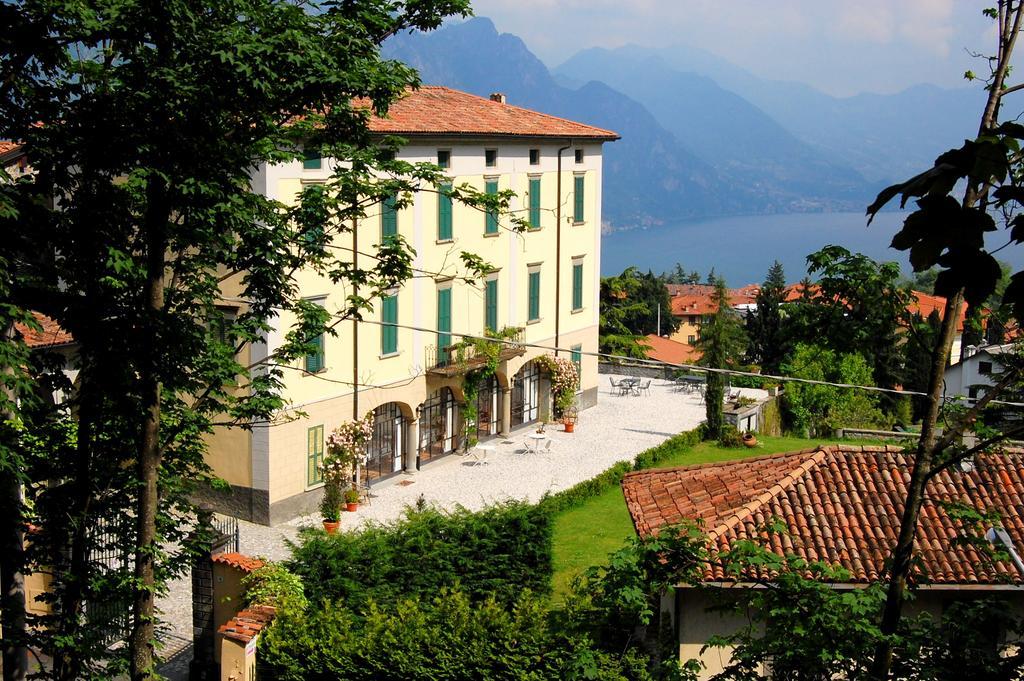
column 616, row 429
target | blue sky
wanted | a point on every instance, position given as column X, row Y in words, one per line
column 842, row 48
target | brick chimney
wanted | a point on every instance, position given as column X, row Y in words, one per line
column 498, row 97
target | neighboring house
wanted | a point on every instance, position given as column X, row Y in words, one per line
column 667, row 350
column 840, row 504
column 403, row 375
column 978, row 370
column 692, row 303
column 925, row 303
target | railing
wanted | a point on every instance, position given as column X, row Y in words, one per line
column 465, row 353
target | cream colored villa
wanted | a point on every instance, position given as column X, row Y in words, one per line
column 546, row 282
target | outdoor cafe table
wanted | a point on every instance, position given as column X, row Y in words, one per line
column 533, row 441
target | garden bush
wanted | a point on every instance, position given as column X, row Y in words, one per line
column 497, row 552
column 448, row 636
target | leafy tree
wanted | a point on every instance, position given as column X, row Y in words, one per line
column 950, row 234
column 922, row 337
column 629, row 311
column 722, row 343
column 820, row 409
column 857, row 306
column 769, row 342
column 154, row 115
column 678, row 275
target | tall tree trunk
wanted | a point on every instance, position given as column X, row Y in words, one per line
column 141, row 662
column 12, row 551
column 1009, row 20
column 75, row 572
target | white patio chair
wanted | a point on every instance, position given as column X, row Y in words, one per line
column 547, row 447
column 645, row 387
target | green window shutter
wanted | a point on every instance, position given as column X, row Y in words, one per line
column 491, row 224
column 388, row 217
column 535, row 202
column 311, row 161
column 577, row 286
column 576, row 353
column 577, row 214
column 315, row 360
column 491, row 304
column 389, row 334
column 444, row 213
column 534, row 296
column 444, row 319
column 314, row 455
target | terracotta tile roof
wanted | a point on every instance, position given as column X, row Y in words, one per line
column 924, row 304
column 51, row 335
column 248, row 624
column 841, row 504
column 6, row 146
column 434, row 110
column 668, row 350
column 696, row 299
column 238, row 560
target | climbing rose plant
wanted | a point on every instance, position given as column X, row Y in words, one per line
column 565, row 380
column 346, row 448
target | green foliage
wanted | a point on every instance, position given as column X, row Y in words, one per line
column 447, row 635
column 490, row 352
column 678, row 275
column 769, row 342
column 858, row 306
column 629, row 311
column 722, row 343
column 273, row 585
column 495, row 552
column 819, row 409
column 730, row 437
column 922, row 338
column 330, row 504
column 154, row 118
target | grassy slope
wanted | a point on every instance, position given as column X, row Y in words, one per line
column 585, row 535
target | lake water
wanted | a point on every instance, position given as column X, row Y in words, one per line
column 743, row 248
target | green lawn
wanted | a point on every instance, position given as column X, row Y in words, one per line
column 585, row 535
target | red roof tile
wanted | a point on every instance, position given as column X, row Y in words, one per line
column 696, row 299
column 238, row 560
column 247, row 624
column 841, row 504
column 924, row 304
column 668, row 350
column 434, row 110
column 52, row 334
column 6, row 146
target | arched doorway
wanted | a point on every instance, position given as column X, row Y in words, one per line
column 488, row 409
column 438, row 425
column 384, row 453
column 526, row 394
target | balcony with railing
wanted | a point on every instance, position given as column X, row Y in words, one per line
column 461, row 357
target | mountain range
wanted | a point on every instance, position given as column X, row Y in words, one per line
column 700, row 136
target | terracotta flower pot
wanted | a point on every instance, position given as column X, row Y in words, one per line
column 332, row 527
column 749, row 440
column 351, row 508
column 569, row 426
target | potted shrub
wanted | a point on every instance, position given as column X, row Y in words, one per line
column 352, row 499
column 330, row 507
column 569, row 418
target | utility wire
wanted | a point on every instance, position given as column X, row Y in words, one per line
column 690, row 367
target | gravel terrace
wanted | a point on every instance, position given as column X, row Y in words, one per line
column 616, row 429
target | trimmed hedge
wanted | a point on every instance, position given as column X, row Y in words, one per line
column 447, row 637
column 612, row 477
column 497, row 552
